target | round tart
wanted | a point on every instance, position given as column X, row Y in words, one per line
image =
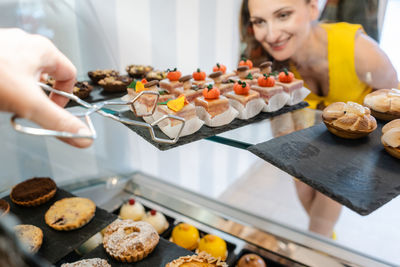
column 95, row 262
column 391, row 138
column 251, row 260
column 157, row 220
column 186, row 236
column 82, row 89
column 114, row 84
column 349, row 120
column 213, row 245
column 30, row 235
column 200, row 260
column 384, row 104
column 4, row 207
column 130, row 241
column 132, row 209
column 98, row 75
column 33, row 192
column 70, row 213
column 138, row 71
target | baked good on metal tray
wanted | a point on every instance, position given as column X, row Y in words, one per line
column 200, row 260
column 33, row 192
column 391, row 138
column 70, row 213
column 95, row 262
column 349, row 120
column 30, row 235
column 384, row 104
column 130, row 241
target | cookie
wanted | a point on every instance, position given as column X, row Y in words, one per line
column 95, row 262
column 130, row 241
column 33, row 192
column 30, row 235
column 70, row 213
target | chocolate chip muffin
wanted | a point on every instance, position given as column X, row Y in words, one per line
column 33, row 192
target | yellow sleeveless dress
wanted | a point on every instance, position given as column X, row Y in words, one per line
column 344, row 84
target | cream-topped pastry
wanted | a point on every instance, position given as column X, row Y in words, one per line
column 157, row 220
column 384, row 103
column 348, row 120
column 132, row 210
column 391, row 138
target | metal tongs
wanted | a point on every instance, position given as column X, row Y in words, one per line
column 98, row 108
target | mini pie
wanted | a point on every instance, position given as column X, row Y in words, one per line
column 82, row 89
column 348, row 120
column 130, row 241
column 251, row 260
column 200, row 260
column 29, row 235
column 138, row 71
column 114, row 84
column 95, row 262
column 384, row 104
column 70, row 213
column 98, row 75
column 391, row 138
column 33, row 192
column 4, row 207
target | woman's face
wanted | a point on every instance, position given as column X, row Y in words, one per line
column 282, row 26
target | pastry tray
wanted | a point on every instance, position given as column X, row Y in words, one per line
column 164, row 252
column 358, row 173
column 204, row 131
column 57, row 244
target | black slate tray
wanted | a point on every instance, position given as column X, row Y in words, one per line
column 57, row 244
column 204, row 131
column 164, row 252
column 357, row 173
column 97, row 95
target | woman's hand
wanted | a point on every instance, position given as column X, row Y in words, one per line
column 24, row 58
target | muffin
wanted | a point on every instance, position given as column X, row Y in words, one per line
column 33, row 192
column 138, row 71
column 115, row 84
column 95, row 262
column 98, row 75
column 157, row 220
column 384, row 104
column 132, row 210
column 186, row 236
column 30, row 235
column 251, row 260
column 391, row 138
column 348, row 120
column 213, row 245
column 130, row 241
column 200, row 260
column 70, row 213
column 82, row 89
column 156, row 75
column 4, row 207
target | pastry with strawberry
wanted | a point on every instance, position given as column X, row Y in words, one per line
column 247, row 102
column 213, row 108
column 292, row 86
column 179, row 107
column 172, row 83
column 273, row 94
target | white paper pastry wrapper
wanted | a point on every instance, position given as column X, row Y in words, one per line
column 219, row 120
column 191, row 126
column 298, row 95
column 252, row 108
column 276, row 102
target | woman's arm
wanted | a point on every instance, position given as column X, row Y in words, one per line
column 372, row 64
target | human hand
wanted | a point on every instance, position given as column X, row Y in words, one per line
column 24, row 59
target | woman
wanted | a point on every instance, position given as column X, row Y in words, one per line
column 338, row 62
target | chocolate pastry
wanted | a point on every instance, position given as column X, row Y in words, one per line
column 82, row 89
column 4, row 207
column 251, row 260
column 33, row 192
column 114, row 84
column 138, row 71
column 98, row 75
